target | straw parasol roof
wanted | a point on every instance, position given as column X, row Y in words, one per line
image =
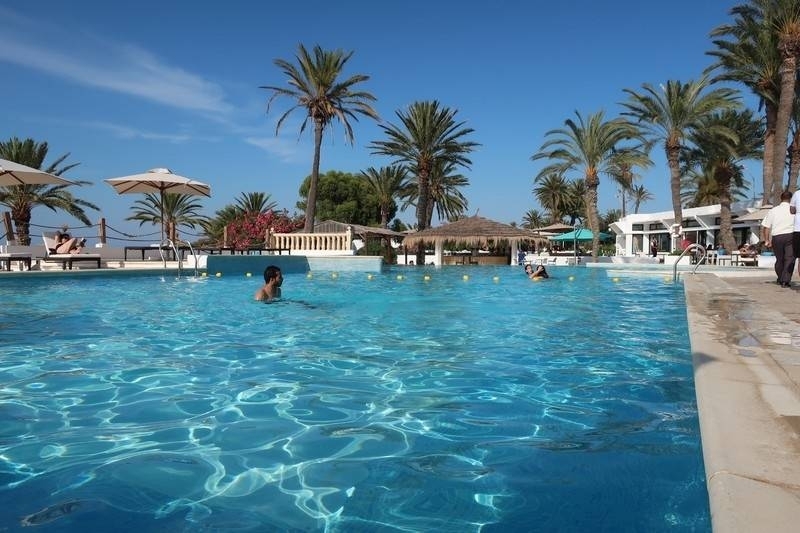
column 476, row 231
column 558, row 227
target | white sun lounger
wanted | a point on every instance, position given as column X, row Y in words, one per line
column 7, row 258
column 65, row 259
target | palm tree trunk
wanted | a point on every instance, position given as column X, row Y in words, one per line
column 673, row 160
column 422, row 211
column 794, row 163
column 592, row 215
column 788, row 72
column 771, row 115
column 725, row 229
column 22, row 223
column 311, row 204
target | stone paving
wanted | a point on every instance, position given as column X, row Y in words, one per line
column 745, row 338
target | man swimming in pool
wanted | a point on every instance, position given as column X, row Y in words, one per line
column 273, row 279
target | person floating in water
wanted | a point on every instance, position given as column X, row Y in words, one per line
column 538, row 273
column 271, row 290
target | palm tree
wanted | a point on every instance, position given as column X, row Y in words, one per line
column 429, row 139
column 592, row 147
column 21, row 199
column 720, row 156
column 552, row 192
column 783, row 17
column 385, row 183
column 575, row 202
column 672, row 113
column 315, row 86
column 747, row 53
column 176, row 209
column 446, row 197
column 533, row 219
column 640, row 195
column 253, row 203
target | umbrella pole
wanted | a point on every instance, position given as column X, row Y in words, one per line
column 161, row 208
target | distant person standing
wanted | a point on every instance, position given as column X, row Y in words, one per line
column 780, row 233
column 653, row 248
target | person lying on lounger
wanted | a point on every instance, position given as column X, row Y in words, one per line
column 68, row 245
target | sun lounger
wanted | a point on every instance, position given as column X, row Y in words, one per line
column 7, row 258
column 65, row 259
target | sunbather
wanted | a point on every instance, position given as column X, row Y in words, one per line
column 68, row 245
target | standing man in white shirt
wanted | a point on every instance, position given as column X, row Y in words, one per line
column 780, row 231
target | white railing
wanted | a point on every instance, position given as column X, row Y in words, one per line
column 314, row 243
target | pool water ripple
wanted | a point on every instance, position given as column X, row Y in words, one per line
column 352, row 405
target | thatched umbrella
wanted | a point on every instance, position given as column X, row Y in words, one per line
column 558, row 227
column 473, row 231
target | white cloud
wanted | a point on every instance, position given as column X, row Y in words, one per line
column 286, row 151
column 92, row 62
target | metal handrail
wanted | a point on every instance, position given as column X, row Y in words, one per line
column 174, row 246
column 690, row 248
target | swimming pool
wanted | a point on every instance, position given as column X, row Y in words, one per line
column 381, row 402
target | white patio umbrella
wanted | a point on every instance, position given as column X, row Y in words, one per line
column 13, row 174
column 161, row 181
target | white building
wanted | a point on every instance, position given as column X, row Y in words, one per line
column 700, row 224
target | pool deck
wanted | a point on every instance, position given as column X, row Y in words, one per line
column 745, row 339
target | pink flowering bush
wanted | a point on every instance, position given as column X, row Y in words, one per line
column 251, row 228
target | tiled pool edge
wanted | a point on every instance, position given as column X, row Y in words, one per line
column 746, row 356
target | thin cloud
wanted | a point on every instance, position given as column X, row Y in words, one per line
column 286, row 151
column 125, row 132
column 126, row 69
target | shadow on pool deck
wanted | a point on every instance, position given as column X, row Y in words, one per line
column 745, row 338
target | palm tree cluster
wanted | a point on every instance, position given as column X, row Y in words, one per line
column 705, row 133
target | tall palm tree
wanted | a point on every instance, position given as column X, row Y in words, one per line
column 747, row 53
column 783, row 16
column 720, row 156
column 315, row 86
column 552, row 192
column 668, row 115
column 253, row 203
column 21, row 199
column 591, row 147
column 639, row 195
column 177, row 209
column 429, row 136
column 385, row 183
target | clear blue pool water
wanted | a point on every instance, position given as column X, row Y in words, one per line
column 492, row 404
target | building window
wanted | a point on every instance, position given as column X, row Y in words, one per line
column 657, row 226
column 637, row 227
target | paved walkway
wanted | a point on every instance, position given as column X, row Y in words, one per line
column 745, row 338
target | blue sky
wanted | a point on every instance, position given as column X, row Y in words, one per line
column 128, row 86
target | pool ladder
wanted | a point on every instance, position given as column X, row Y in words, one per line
column 691, row 248
column 173, row 245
